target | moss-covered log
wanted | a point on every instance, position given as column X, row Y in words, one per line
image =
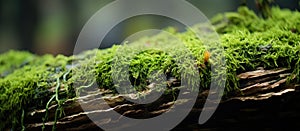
column 46, row 83
column 262, row 90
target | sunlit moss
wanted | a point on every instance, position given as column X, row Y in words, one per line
column 27, row 87
column 12, row 60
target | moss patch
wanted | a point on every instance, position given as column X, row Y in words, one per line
column 12, row 60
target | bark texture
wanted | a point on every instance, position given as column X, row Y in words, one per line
column 266, row 101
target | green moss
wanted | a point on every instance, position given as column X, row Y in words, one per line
column 28, row 87
column 12, row 60
column 245, row 19
column 249, row 42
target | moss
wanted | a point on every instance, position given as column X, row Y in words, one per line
column 245, row 19
column 28, row 87
column 249, row 42
column 12, row 60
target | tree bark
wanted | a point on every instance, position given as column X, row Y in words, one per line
column 266, row 101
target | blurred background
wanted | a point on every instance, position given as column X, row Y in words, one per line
column 52, row 26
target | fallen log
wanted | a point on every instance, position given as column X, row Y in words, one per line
column 266, row 98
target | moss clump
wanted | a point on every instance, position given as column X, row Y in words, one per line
column 245, row 19
column 249, row 42
column 10, row 61
column 28, row 87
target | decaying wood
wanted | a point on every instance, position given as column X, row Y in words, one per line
column 260, row 73
column 260, row 101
